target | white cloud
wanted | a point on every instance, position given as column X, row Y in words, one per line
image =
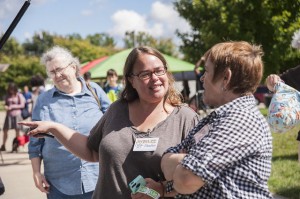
column 9, row 10
column 86, row 12
column 11, row 7
column 28, row 35
column 170, row 18
column 158, row 8
column 162, row 22
column 8, row 7
column 126, row 20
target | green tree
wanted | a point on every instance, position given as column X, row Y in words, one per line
column 20, row 71
column 74, row 36
column 133, row 39
column 101, row 39
column 268, row 23
column 11, row 48
column 24, row 60
column 38, row 44
column 83, row 49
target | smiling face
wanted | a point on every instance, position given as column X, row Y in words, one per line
column 154, row 89
column 63, row 74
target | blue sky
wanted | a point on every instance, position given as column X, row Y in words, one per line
column 114, row 17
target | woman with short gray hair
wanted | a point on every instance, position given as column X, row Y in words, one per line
column 74, row 103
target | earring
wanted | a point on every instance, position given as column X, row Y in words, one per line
column 224, row 89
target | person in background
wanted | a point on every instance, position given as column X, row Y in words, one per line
column 291, row 78
column 198, row 70
column 37, row 83
column 228, row 154
column 87, row 76
column 112, row 87
column 28, row 98
column 185, row 92
column 14, row 103
column 150, row 109
column 71, row 103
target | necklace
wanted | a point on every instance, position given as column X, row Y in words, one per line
column 138, row 134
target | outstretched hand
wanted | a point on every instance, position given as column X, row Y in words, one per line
column 37, row 127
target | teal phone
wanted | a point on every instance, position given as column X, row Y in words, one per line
column 135, row 184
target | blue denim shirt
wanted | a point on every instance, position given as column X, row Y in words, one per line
column 80, row 112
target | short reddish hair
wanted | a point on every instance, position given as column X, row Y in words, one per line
column 243, row 59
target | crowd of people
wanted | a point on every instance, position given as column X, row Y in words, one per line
column 104, row 138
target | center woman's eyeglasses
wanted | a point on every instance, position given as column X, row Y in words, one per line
column 144, row 75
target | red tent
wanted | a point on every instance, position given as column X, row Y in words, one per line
column 91, row 64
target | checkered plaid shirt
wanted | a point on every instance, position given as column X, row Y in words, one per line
column 233, row 157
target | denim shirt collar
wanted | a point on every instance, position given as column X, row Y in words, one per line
column 85, row 91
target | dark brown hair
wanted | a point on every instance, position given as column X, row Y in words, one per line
column 12, row 89
column 130, row 94
column 111, row 72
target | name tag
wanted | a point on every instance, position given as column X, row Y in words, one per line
column 145, row 144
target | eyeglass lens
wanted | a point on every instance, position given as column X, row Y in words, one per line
column 148, row 74
column 58, row 71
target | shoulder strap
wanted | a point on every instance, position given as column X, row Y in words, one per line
column 94, row 94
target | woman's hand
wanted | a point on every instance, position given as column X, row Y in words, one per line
column 271, row 81
column 157, row 186
column 41, row 182
column 38, row 127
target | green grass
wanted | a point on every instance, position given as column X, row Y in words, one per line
column 285, row 174
column 264, row 111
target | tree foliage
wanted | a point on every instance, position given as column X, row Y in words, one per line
column 101, row 39
column 20, row 71
column 38, row 44
column 83, row 49
column 11, row 48
column 268, row 23
column 24, row 59
column 133, row 39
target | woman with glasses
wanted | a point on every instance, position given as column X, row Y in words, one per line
column 71, row 103
column 131, row 137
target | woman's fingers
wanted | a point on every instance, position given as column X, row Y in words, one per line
column 34, row 127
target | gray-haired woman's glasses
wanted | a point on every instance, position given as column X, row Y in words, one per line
column 144, row 75
column 58, row 71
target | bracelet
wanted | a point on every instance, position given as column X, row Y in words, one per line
column 150, row 192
